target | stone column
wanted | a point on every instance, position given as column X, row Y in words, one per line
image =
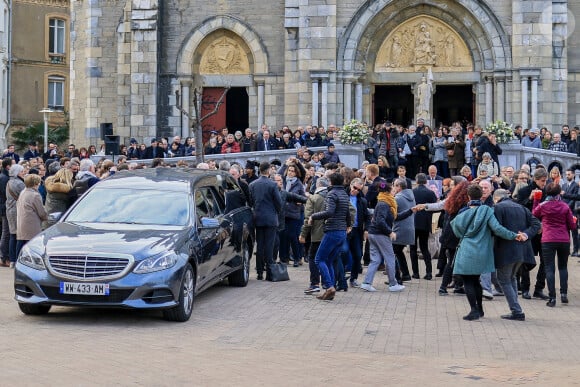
column 347, row 100
column 185, row 108
column 324, row 118
column 261, row 104
column 488, row 99
column 500, row 97
column 315, row 102
column 358, row 101
column 524, row 96
column 534, row 102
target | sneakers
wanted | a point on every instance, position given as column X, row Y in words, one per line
column 354, row 284
column 443, row 292
column 496, row 293
column 540, row 294
column 487, row 295
column 312, row 289
column 396, row 288
column 368, row 287
column 514, row 316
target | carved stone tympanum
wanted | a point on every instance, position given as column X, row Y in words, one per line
column 421, row 43
column 224, row 55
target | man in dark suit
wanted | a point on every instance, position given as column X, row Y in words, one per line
column 32, row 151
column 266, row 202
column 423, row 221
column 510, row 255
column 267, row 143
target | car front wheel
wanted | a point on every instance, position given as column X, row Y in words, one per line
column 182, row 312
column 33, row 309
column 241, row 276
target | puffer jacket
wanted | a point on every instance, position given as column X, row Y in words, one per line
column 557, row 220
column 382, row 221
column 57, row 196
column 336, row 210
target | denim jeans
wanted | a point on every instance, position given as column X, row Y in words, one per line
column 5, row 239
column 506, row 275
column 381, row 251
column 12, row 248
column 549, row 251
column 327, row 252
column 291, row 235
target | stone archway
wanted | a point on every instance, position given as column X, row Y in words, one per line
column 185, row 58
column 473, row 20
column 193, row 64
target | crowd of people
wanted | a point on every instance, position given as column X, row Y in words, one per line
column 313, row 209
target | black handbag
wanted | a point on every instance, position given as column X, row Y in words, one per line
column 278, row 272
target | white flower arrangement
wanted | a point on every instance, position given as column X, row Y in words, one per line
column 353, row 132
column 502, row 130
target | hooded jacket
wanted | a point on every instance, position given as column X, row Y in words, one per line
column 405, row 228
column 474, row 228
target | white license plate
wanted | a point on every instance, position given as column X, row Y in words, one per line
column 84, row 288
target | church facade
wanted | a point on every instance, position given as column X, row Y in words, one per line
column 151, row 68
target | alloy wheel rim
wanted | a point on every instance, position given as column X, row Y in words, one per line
column 188, row 291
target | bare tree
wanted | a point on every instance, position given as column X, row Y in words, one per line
column 197, row 121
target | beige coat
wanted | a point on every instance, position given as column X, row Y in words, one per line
column 29, row 215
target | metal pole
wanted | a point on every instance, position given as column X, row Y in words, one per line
column 46, row 112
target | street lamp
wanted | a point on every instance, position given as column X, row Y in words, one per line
column 46, row 112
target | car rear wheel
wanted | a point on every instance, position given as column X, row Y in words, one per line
column 241, row 276
column 182, row 312
column 33, row 309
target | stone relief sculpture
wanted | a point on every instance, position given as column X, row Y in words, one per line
column 224, row 56
column 424, row 47
column 423, row 43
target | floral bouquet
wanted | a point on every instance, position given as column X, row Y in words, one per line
column 502, row 130
column 353, row 132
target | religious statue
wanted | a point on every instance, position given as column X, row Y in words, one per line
column 424, row 92
column 424, row 47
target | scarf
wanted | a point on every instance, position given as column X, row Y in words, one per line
column 386, row 197
column 289, row 182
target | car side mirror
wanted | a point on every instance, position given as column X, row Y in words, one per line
column 54, row 217
column 209, row 222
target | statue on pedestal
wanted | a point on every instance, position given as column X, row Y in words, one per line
column 424, row 93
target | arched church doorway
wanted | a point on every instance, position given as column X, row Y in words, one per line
column 237, row 108
column 393, row 103
column 453, row 103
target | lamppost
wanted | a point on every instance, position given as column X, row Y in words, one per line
column 46, row 112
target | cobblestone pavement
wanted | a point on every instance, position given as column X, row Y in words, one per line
column 271, row 333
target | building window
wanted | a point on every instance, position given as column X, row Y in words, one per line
column 56, row 93
column 56, row 36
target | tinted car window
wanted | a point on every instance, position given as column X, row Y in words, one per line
column 202, row 209
column 125, row 205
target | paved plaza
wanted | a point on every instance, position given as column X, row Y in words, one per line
column 273, row 334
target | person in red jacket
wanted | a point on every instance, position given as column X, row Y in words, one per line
column 231, row 145
column 557, row 222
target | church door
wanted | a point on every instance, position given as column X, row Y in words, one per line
column 209, row 100
column 237, row 111
column 453, row 103
column 393, row 103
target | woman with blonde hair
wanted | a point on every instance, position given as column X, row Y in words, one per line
column 58, row 187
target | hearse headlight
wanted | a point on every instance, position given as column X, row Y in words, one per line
column 32, row 255
column 156, row 263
